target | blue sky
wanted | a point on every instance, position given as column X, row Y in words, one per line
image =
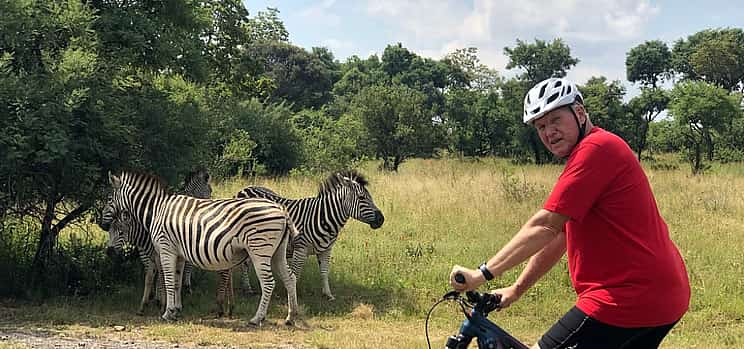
column 599, row 32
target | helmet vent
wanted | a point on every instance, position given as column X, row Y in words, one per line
column 558, row 84
column 553, row 97
column 535, row 111
column 569, row 89
column 542, row 91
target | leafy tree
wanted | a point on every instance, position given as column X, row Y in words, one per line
column 701, row 108
column 329, row 144
column 646, row 107
column 397, row 122
column 649, row 63
column 278, row 143
column 468, row 71
column 267, row 27
column 716, row 56
column 540, row 60
column 604, row 102
column 302, row 79
column 157, row 36
column 73, row 112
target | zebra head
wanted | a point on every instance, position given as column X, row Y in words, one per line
column 119, row 230
column 197, row 184
column 355, row 198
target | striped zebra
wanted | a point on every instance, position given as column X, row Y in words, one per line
column 211, row 234
column 123, row 230
column 342, row 195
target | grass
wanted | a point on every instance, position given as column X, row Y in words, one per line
column 437, row 213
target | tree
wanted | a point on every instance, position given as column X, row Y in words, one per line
column 72, row 113
column 540, row 60
column 649, row 63
column 604, row 102
column 468, row 71
column 267, row 27
column 398, row 123
column 302, row 79
column 716, row 56
column 701, row 108
column 646, row 107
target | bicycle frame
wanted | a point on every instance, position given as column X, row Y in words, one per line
column 476, row 325
column 487, row 334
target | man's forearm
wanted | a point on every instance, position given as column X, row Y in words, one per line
column 543, row 228
column 541, row 263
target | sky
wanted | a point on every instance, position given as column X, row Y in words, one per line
column 598, row 32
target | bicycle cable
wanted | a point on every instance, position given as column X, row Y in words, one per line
column 452, row 295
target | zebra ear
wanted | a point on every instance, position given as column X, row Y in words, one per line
column 115, row 181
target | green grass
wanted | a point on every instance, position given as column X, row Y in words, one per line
column 439, row 213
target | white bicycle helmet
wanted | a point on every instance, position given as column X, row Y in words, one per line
column 548, row 95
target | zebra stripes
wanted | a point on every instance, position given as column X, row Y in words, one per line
column 123, row 229
column 342, row 195
column 211, row 234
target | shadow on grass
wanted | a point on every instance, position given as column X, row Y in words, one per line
column 118, row 307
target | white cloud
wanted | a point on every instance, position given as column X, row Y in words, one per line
column 322, row 13
column 434, row 28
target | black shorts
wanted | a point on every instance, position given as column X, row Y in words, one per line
column 576, row 330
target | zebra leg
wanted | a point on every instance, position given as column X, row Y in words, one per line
column 222, row 293
column 149, row 278
column 180, row 262
column 324, row 261
column 187, row 277
column 169, row 264
column 245, row 278
column 279, row 264
column 262, row 265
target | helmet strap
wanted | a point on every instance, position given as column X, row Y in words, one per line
column 581, row 126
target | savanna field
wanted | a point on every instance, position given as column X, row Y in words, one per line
column 437, row 213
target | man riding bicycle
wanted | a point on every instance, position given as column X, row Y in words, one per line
column 630, row 279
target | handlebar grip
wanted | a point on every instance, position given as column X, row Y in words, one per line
column 459, row 278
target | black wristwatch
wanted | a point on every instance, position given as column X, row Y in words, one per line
column 486, row 274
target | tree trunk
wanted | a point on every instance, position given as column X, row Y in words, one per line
column 708, row 143
column 642, row 139
column 50, row 231
column 535, row 146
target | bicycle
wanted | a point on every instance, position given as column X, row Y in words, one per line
column 476, row 325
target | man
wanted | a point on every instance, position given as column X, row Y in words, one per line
column 629, row 277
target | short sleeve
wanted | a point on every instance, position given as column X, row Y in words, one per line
column 587, row 174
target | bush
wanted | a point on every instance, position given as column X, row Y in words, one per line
column 77, row 267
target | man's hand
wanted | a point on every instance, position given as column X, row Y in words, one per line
column 473, row 279
column 509, row 295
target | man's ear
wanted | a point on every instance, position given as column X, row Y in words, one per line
column 580, row 112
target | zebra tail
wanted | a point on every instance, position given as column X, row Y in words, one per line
column 293, row 231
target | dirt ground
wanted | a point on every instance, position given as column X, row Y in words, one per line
column 45, row 339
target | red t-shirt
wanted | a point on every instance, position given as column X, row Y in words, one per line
column 625, row 269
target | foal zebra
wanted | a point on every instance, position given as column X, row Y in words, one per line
column 124, row 230
column 342, row 195
column 211, row 234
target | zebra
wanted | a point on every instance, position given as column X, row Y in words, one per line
column 211, row 234
column 197, row 185
column 342, row 195
column 124, row 230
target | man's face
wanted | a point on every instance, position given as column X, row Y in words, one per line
column 558, row 130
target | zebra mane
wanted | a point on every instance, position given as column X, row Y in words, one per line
column 336, row 181
column 128, row 175
column 200, row 172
